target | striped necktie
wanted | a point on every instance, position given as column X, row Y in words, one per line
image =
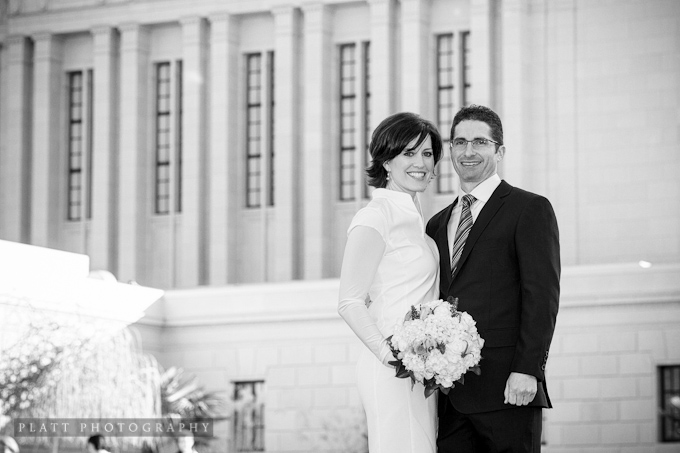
column 462, row 232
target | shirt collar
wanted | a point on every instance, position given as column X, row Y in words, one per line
column 485, row 189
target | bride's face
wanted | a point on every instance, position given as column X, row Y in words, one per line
column 411, row 170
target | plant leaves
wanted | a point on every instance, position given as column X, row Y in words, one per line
column 429, row 391
column 402, row 372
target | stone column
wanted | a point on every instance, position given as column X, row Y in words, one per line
column 512, row 92
column 192, row 246
column 285, row 251
column 316, row 142
column 133, row 163
column 384, row 77
column 223, row 155
column 103, row 238
column 15, row 154
column 481, row 43
column 564, row 190
column 47, row 169
column 415, row 66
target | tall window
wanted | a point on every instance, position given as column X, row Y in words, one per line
column 465, row 64
column 669, row 403
column 453, row 92
column 260, row 129
column 249, row 416
column 354, row 119
column 80, row 145
column 168, row 193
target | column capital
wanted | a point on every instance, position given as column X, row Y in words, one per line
column 223, row 27
column 514, row 5
column 317, row 17
column 16, row 40
column 134, row 37
column 99, row 30
column 193, row 30
column 480, row 7
column 381, row 2
column 128, row 27
column 17, row 49
column 287, row 19
column 283, row 9
column 191, row 20
column 219, row 17
column 47, row 46
column 378, row 6
column 103, row 37
column 42, row 36
column 415, row 10
column 312, row 7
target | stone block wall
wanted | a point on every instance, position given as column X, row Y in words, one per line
column 617, row 324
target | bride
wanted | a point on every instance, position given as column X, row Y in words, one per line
column 389, row 265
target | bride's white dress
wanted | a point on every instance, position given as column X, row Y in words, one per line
column 400, row 419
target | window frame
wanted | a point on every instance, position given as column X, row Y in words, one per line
column 256, row 430
column 452, row 61
column 669, row 417
column 79, row 164
column 168, row 112
column 445, row 175
column 259, row 128
column 354, row 97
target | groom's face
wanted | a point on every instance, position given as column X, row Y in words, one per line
column 475, row 165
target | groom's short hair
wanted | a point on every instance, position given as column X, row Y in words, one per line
column 480, row 113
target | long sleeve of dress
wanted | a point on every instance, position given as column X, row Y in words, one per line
column 363, row 253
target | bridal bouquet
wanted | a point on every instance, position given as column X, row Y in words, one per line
column 436, row 345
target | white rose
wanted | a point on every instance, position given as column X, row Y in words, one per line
column 442, row 311
column 457, row 345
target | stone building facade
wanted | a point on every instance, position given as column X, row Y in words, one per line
column 214, row 149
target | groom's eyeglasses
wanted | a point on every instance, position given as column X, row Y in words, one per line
column 460, row 144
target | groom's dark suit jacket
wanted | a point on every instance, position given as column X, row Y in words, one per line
column 507, row 279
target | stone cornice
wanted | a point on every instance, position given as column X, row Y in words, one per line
column 623, row 285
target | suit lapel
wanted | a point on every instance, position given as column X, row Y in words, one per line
column 442, row 240
column 488, row 211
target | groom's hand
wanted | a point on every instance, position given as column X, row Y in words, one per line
column 520, row 389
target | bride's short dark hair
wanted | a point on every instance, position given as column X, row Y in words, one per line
column 392, row 136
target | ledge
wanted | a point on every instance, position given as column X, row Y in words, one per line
column 300, row 301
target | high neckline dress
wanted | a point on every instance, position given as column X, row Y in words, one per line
column 400, row 419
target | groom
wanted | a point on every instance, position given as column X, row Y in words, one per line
column 499, row 254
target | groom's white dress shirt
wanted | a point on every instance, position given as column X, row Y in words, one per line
column 482, row 193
